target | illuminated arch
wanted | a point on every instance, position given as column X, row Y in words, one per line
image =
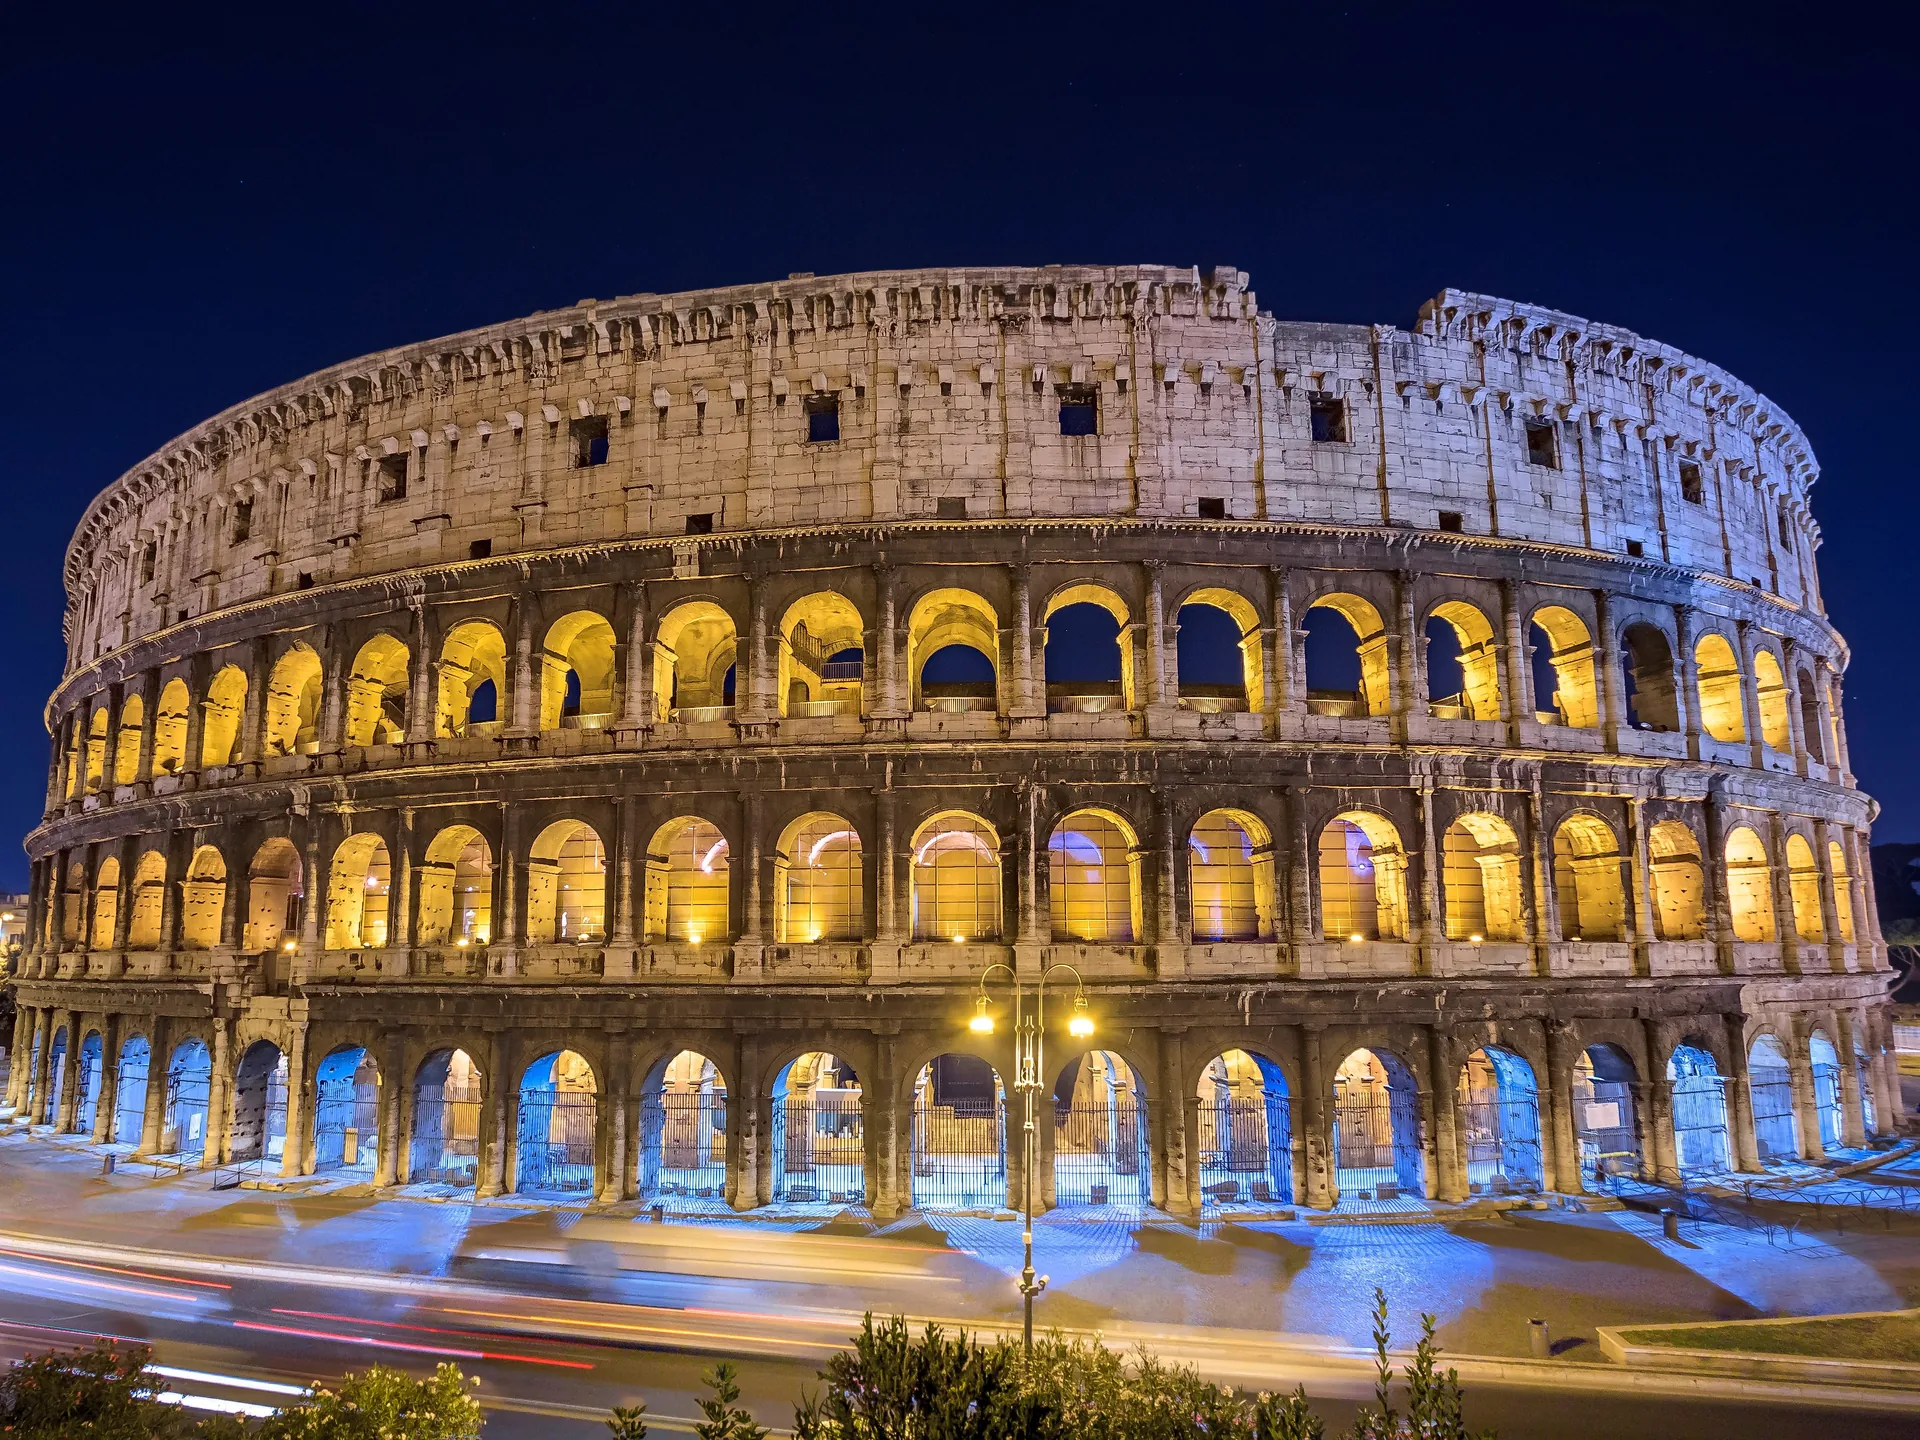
column 1679, row 882
column 1604, row 1122
column 576, row 670
column 1653, row 701
column 220, row 726
column 1479, row 696
column 1093, row 873
column 943, row 618
column 818, row 890
column 1245, row 1131
column 444, row 1139
column 1480, row 874
column 1842, row 890
column 567, row 884
column 1586, row 880
column 273, row 894
column 1770, row 690
column 203, row 897
column 149, row 901
column 816, row 629
column 97, row 749
column 456, row 888
column 689, row 877
column 557, row 1136
column 683, row 1129
column 694, row 652
column 1197, row 693
column 346, row 1111
column 1749, row 886
column 1376, row 1127
column 1370, row 650
column 357, row 894
column 1499, row 1111
column 293, row 703
column 1721, row 712
column 1776, row 1127
column 106, row 903
column 170, row 727
column 1230, row 885
column 126, row 752
column 1575, row 701
column 377, row 693
column 472, row 658
column 1803, row 885
column 1104, row 598
column 1363, row 878
column 955, row 879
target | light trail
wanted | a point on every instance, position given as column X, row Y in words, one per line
column 56, row 1278
column 116, row 1270
column 371, row 1341
column 238, row 1382
column 662, row 1330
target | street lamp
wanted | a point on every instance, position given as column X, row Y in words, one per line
column 1029, row 1064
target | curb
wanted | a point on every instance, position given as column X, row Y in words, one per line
column 1761, row 1365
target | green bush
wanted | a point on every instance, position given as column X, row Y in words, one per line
column 382, row 1403
column 101, row 1393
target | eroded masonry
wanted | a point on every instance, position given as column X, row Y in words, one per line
column 599, row 754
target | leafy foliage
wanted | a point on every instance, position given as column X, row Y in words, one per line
column 726, row 1418
column 382, row 1403
column 628, row 1422
column 101, row 1393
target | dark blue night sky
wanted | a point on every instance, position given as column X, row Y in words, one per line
column 199, row 211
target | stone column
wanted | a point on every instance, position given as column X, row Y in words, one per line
column 1449, row 1180
column 149, row 706
column 637, row 708
column 1179, row 1175
column 1406, row 675
column 1687, row 692
column 1713, row 867
column 1283, row 691
column 1035, row 924
column 402, row 919
column 490, row 1168
column 509, row 924
column 1750, row 695
column 621, row 906
column 220, row 1095
column 1806, row 1113
column 334, row 683
column 295, row 1148
column 153, row 1114
column 1563, row 1054
column 107, row 1092
column 1316, row 1123
column 1162, row 680
column 1169, row 935
column 61, row 1118
column 881, row 690
column 1518, row 686
column 19, row 1057
column 1606, row 660
column 1660, row 1156
column 1430, row 928
column 614, row 1182
column 522, row 707
column 1786, row 924
column 748, row 1139
column 1829, row 904
column 1796, row 728
column 882, row 1156
column 1641, row 886
column 1746, row 1147
column 758, row 677
column 1301, row 927
column 420, row 671
column 110, row 757
column 1853, row 1118
column 1542, row 924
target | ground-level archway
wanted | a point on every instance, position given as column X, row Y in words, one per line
column 444, row 1147
column 1100, row 1154
column 259, row 1132
column 56, row 1075
column 1376, row 1128
column 130, row 1090
column 1826, row 1089
column 1604, row 1123
column 189, row 1083
column 959, row 1142
column 86, row 1097
column 1770, row 1091
column 818, row 1139
column 346, row 1112
column 1700, row 1143
column 1499, row 1105
column 1245, row 1132
column 683, row 1130
column 559, row 1120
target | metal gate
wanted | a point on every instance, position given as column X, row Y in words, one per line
column 556, row 1136
column 56, row 1077
column 959, row 1153
column 130, row 1094
column 1771, row 1087
column 185, row 1131
column 683, row 1144
column 819, row 1149
column 1603, row 1125
column 1246, row 1151
column 445, row 1148
column 1376, row 1141
column 1826, row 1102
column 346, row 1123
column 1699, row 1120
column 86, row 1106
column 1863, row 1079
column 1502, row 1141
column 1100, row 1153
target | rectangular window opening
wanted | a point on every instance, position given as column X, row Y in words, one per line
column 479, row 549
column 1452, row 521
column 823, row 417
column 1079, row 409
column 1690, row 485
column 700, row 524
column 1212, row 507
column 1329, row 417
column 589, row 442
column 243, row 521
column 147, row 557
column 1636, row 549
column 393, row 477
column 1543, row 444
column 950, row 507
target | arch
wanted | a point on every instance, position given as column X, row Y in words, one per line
column 1842, row 890
column 1480, row 879
column 815, row 630
column 377, row 693
column 576, row 671
column 1230, row 884
column 955, row 879
column 358, row 894
column 1808, row 697
column 1863, row 1082
column 818, row 890
column 1572, row 698
column 346, row 1111
column 1100, row 1154
column 1362, row 872
column 1721, row 713
column 1679, row 882
column 443, row 1147
column 1700, row 1143
column 559, row 1124
column 293, row 703
column 184, row 1117
column 683, row 1130
column 1646, row 663
column 1475, row 663
column 130, row 1090
column 1586, row 879
column 1605, row 1126
column 220, row 725
column 1093, row 875
column 1376, row 1128
column 456, row 889
column 1347, row 674
column 689, row 883
column 126, row 745
column 73, row 909
column 1770, row 691
column 106, row 903
column 939, row 620
column 170, row 727
column 1803, row 886
column 819, row 1144
column 1499, row 1105
column 694, row 651
column 1245, row 1132
column 1211, row 625
column 472, row 658
column 959, row 1144
column 203, row 897
column 567, row 885
column 1749, row 886
column 86, row 1097
column 1776, row 1129
column 149, row 901
column 97, row 749
column 1825, row 1061
column 1089, row 653
column 56, row 1075
column 259, row 1131
column 275, row 888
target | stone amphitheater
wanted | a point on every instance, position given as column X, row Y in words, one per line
column 604, row 755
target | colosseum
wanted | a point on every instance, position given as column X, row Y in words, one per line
column 605, row 757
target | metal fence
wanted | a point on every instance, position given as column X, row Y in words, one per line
column 818, row 1149
column 959, row 1154
column 1771, row 1088
column 86, row 1107
column 1100, row 1154
column 1826, row 1102
column 1700, row 1124
column 346, row 1124
column 556, row 1135
column 185, row 1124
column 1376, row 1142
column 1246, row 1151
column 445, row 1146
column 683, row 1144
column 1502, row 1133
column 1604, row 1130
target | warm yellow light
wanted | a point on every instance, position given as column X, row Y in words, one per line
column 982, row 1022
column 1081, row 1025
column 692, row 938
column 814, row 938
column 291, row 946
column 1476, row 939
column 6, row 914
column 1356, row 937
column 959, row 939
column 461, row 942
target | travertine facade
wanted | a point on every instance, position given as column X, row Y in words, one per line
column 559, row 690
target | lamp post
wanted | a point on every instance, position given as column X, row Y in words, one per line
column 1029, row 1064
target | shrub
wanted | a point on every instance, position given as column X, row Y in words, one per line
column 103, row 1393
column 382, row 1403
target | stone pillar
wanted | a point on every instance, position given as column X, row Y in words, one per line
column 1835, row 710
column 19, row 1057
column 1750, row 694
column 402, row 919
column 420, row 671
column 1640, row 889
column 1606, row 660
column 1162, row 679
column 1687, row 692
column 637, row 706
column 295, row 1149
column 1713, row 867
column 1034, row 926
column 522, row 700
column 233, row 904
column 61, row 1118
column 1029, row 694
column 882, row 693
column 1806, row 1113
column 334, row 684
column 1746, row 1147
column 615, row 1182
column 1429, row 928
column 1518, row 686
column 622, row 902
column 1316, row 1121
column 195, row 742
column 1829, row 905
column 153, row 1115
column 107, row 1091
column 490, row 1167
column 1542, row 924
column 1301, row 927
column 220, row 1095
column 1169, row 935
column 1406, row 676
column 1796, row 728
column 509, row 924
column 1853, row 1074
column 1563, row 1054
column 882, row 1126
column 149, row 705
column 1179, row 1174
column 1659, row 1156
column 748, row 1140
column 1450, row 1179
column 1278, row 670
column 756, row 917
column 395, row 1110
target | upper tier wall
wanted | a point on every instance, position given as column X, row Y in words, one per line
column 948, row 387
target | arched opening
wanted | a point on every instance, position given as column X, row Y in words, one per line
column 259, row 1132
column 445, row 1144
column 203, row 896
column 1603, row 1119
column 1480, row 874
column 1826, row 1088
column 1346, row 657
column 688, row 883
column 1842, row 890
column 1586, row 880
column 1499, row 1105
column 346, row 1112
column 567, row 885
column 473, row 674
column 73, row 910
column 683, row 1130
column 126, row 750
column 1463, row 664
column 1646, row 666
column 1217, row 652
column 1770, row 690
column 1803, row 884
column 170, row 728
column 955, row 880
column 559, row 1119
column 576, row 672
column 1093, row 884
column 1679, row 882
column 1100, row 1133
column 357, row 894
column 106, row 903
column 1376, row 1128
column 1699, row 1111
column 377, row 693
column 97, row 749
column 274, row 893
column 1749, row 886
column 56, row 1075
column 220, row 725
column 818, row 1142
column 693, row 665
column 818, row 890
column 959, row 1145
column 1230, row 877
column 820, row 657
column 1363, row 879
column 1770, row 1090
column 1563, row 687
column 456, row 889
column 1245, row 1132
column 1089, row 651
column 953, row 639
column 1809, row 700
column 184, row 1120
column 1721, row 713
column 1863, row 1081
column 86, row 1095
column 293, row 703
column 149, row 898
column 130, row 1090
